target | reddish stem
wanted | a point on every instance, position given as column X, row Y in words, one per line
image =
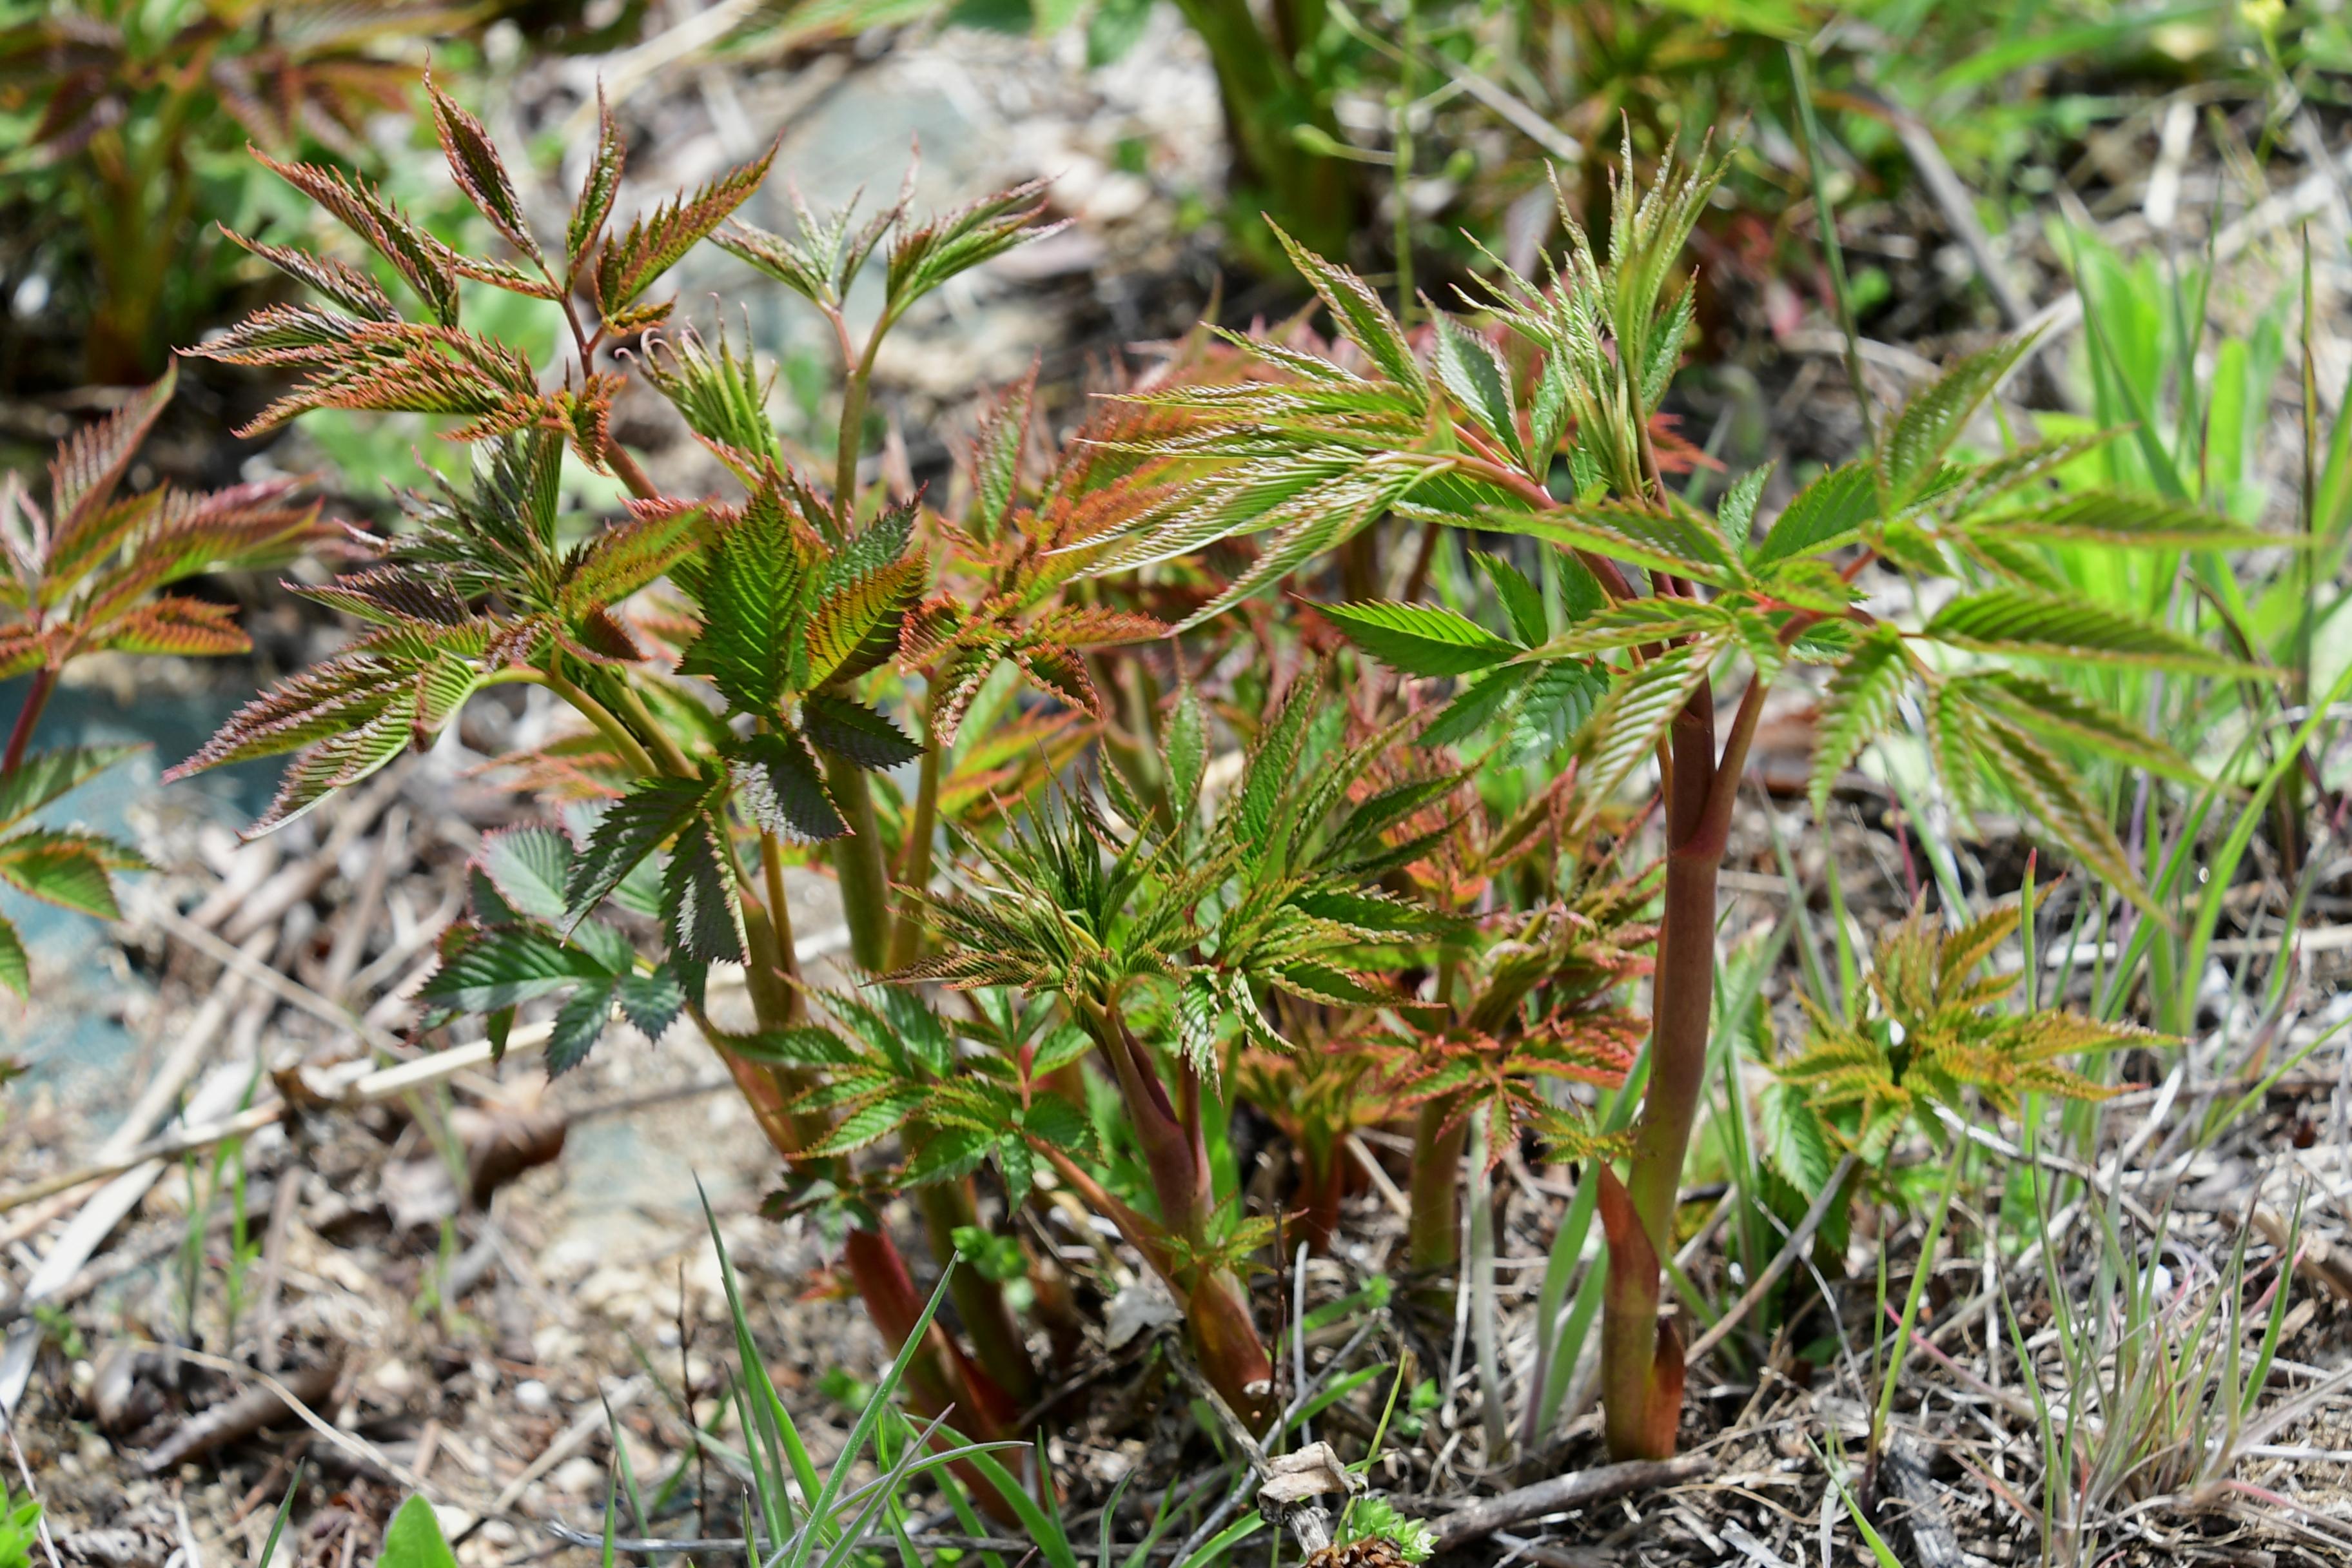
column 36, row 697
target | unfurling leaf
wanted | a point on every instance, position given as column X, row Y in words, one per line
column 629, row 263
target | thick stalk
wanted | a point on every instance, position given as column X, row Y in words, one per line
column 1683, row 993
column 36, row 697
column 857, row 862
column 1434, row 1240
column 987, row 1320
column 905, row 925
column 865, row 879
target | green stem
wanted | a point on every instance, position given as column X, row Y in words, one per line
column 666, row 749
column 852, row 427
column 1434, row 1243
column 631, row 750
column 857, row 861
column 906, row 927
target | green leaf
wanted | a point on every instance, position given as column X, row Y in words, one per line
column 15, row 966
column 695, row 906
column 875, row 1120
column 1793, row 1139
column 1560, row 701
column 1736, row 515
column 1936, row 415
column 634, row 826
column 415, row 1540
column 651, row 1002
column 2054, row 711
column 1655, row 619
column 1186, row 745
column 2020, row 621
column 629, row 263
column 528, row 867
column 779, row 786
column 1274, row 760
column 1356, row 310
column 1476, row 705
column 856, row 731
column 1678, row 543
column 42, row 777
column 1626, row 728
column 1420, row 639
column 579, row 1025
column 507, row 965
column 751, row 592
column 65, row 873
column 1825, row 514
column 2054, row 794
column 1858, row 706
column 924, row 257
column 597, row 191
column 1474, row 372
column 2135, row 523
column 1523, row 603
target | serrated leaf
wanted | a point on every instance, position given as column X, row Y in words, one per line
column 596, row 192
column 751, row 588
column 854, row 731
column 422, row 261
column 2061, row 714
column 2054, row 792
column 475, row 165
column 1420, row 639
column 1474, row 372
column 59, row 870
column 528, row 867
column 630, row 263
column 504, row 966
column 1676, row 542
column 696, row 909
column 1477, row 705
column 2022, row 621
column 16, row 965
column 780, row 790
column 2128, row 522
column 1359, row 314
column 1625, row 730
column 1793, row 1139
column 875, row 1120
column 1559, row 702
column 1859, row 706
column 631, row 830
column 579, row 1025
column 651, row 1002
column 43, row 776
column 1825, row 514
column 1523, row 603
column 1915, row 444
column 1185, row 746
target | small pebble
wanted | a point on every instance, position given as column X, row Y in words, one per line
column 533, row 1395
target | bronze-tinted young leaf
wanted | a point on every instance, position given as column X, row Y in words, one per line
column 475, row 165
column 596, row 192
column 339, row 281
column 422, row 261
column 176, row 625
column 628, row 264
column 91, row 462
column 924, row 257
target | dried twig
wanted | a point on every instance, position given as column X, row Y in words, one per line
column 1578, row 1488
